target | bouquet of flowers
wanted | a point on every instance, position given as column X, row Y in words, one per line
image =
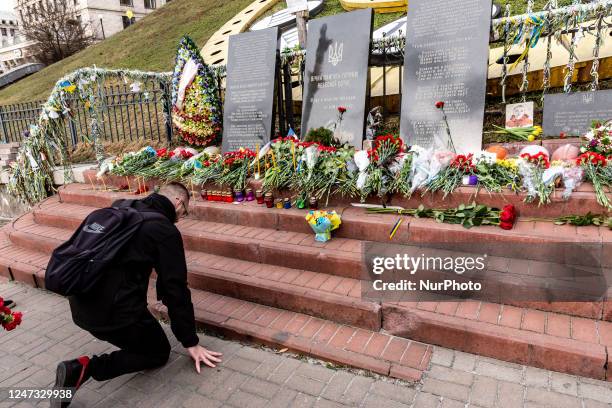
column 168, row 164
column 9, row 319
column 207, row 169
column 323, row 223
column 284, row 154
column 235, row 168
column 467, row 215
column 532, row 168
column 452, row 176
column 529, row 134
column 593, row 165
column 401, row 171
column 132, row 162
column 496, row 175
column 598, row 139
column 323, row 170
column 383, row 157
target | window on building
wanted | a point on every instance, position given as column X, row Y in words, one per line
column 12, row 32
column 127, row 21
column 126, row 3
column 3, row 31
column 150, row 4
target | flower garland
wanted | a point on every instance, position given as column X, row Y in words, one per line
column 45, row 148
column 196, row 115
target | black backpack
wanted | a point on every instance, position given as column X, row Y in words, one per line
column 78, row 264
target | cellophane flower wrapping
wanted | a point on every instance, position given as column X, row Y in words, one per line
column 323, row 223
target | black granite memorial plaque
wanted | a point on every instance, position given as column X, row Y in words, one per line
column 574, row 113
column 447, row 50
column 249, row 95
column 336, row 74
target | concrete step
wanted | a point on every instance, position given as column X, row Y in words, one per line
column 373, row 351
column 583, row 200
column 548, row 340
column 529, row 239
column 340, row 257
column 339, row 343
column 540, row 339
column 327, row 296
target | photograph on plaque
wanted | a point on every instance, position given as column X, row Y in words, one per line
column 336, row 75
column 572, row 114
column 445, row 61
column 249, row 97
column 519, row 115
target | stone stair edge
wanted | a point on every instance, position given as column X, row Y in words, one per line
column 514, row 345
column 306, row 259
column 344, row 308
column 355, row 221
column 238, row 329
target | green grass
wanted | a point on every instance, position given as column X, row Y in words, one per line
column 150, row 44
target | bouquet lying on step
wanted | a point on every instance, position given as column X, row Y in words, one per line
column 8, row 318
column 323, row 223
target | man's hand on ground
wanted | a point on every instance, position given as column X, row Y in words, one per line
column 199, row 353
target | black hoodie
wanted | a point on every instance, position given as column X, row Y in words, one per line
column 120, row 298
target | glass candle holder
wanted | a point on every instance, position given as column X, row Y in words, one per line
column 313, row 203
column 204, row 195
column 286, row 203
column 259, row 196
column 229, row 197
column 250, row 196
column 238, row 195
column 300, row 203
column 269, row 200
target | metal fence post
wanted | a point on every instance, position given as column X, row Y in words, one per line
column 73, row 133
column 3, row 127
column 167, row 106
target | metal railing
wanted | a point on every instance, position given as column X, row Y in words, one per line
column 126, row 116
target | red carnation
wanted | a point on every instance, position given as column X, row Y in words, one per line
column 440, row 105
column 341, row 109
column 562, row 135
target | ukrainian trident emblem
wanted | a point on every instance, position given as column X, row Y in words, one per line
column 335, row 53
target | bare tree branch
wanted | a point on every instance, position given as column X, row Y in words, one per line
column 55, row 28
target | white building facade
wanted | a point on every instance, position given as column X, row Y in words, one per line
column 13, row 45
column 103, row 17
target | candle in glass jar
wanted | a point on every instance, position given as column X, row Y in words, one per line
column 249, row 195
column 269, row 200
column 313, row 203
column 260, row 196
column 238, row 195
